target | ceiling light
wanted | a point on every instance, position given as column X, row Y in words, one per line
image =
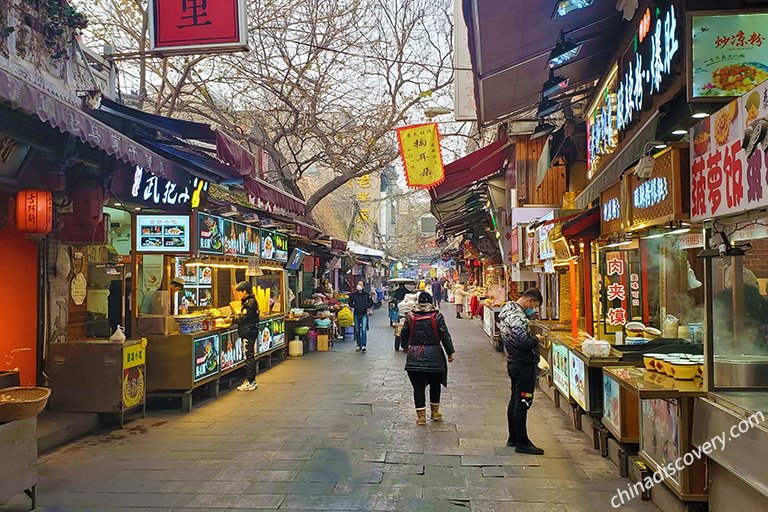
column 137, row 208
column 563, row 7
column 118, row 204
column 700, row 115
column 655, row 235
column 680, row 132
column 542, row 129
column 619, row 243
column 660, row 146
column 553, row 85
column 547, row 107
column 679, row 231
column 563, row 51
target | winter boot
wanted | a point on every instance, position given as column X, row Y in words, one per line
column 421, row 416
column 436, row 416
column 458, row 315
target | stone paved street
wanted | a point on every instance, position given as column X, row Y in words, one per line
column 336, row 431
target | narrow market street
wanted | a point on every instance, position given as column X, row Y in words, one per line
column 335, row 431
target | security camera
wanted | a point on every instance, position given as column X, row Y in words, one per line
column 644, row 168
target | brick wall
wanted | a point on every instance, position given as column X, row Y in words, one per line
column 756, row 259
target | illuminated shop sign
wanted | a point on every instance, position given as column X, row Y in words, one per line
column 650, row 193
column 611, row 210
column 160, row 191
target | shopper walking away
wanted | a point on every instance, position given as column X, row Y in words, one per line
column 437, row 292
column 360, row 301
column 424, row 330
column 458, row 298
column 445, row 289
column 247, row 321
column 522, row 366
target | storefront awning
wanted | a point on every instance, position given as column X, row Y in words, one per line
column 32, row 100
column 472, row 168
column 362, row 250
column 586, row 224
column 510, row 42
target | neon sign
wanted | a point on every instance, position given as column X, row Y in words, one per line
column 611, row 210
column 650, row 193
column 154, row 189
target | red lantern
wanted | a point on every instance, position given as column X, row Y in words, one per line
column 34, row 211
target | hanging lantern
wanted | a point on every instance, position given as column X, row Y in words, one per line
column 34, row 211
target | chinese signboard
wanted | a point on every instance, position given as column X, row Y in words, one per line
column 210, row 234
column 560, row 374
column 729, row 53
column 545, row 247
column 422, row 160
column 162, row 233
column 610, row 214
column 206, row 357
column 615, row 290
column 197, row 26
column 240, row 239
column 155, row 190
column 602, row 136
column 659, row 199
column 274, row 246
column 726, row 176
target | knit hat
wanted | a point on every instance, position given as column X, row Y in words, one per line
column 244, row 286
column 425, row 298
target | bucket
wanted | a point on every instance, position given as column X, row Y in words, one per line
column 312, row 340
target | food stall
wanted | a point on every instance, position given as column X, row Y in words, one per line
column 192, row 342
column 666, row 421
column 734, row 255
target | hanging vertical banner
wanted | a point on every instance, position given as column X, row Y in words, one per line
column 422, row 160
column 185, row 27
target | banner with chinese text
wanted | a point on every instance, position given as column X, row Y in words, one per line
column 621, row 290
column 728, row 166
column 422, row 160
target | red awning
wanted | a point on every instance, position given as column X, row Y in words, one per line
column 467, row 170
column 583, row 225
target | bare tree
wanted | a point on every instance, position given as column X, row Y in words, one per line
column 324, row 85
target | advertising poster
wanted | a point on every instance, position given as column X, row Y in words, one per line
column 545, row 247
column 488, row 319
column 576, row 378
column 729, row 53
column 728, row 163
column 560, row 374
column 660, row 432
column 206, row 357
column 265, row 337
column 611, row 404
column 281, row 248
column 240, row 239
column 268, row 245
column 133, row 387
column 210, row 234
column 278, row 333
column 231, row 350
column 162, row 233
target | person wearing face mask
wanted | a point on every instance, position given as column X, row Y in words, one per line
column 522, row 366
column 360, row 301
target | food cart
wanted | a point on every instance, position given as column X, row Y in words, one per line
column 192, row 342
column 665, row 425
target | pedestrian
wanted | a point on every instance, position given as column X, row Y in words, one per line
column 247, row 321
column 458, row 298
column 437, row 292
column 424, row 330
column 522, row 366
column 445, row 290
column 360, row 301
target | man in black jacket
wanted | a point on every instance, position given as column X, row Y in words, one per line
column 522, row 366
column 247, row 321
column 360, row 301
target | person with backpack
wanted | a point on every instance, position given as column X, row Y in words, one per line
column 247, row 321
column 426, row 341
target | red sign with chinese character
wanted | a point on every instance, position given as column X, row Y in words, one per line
column 197, row 26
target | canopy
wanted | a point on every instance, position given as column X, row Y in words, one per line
column 510, row 42
column 362, row 250
column 471, row 168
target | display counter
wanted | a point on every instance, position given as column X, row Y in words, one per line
column 98, row 376
column 741, row 415
column 666, row 425
column 491, row 325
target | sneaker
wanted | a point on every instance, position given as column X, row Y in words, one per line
column 251, row 386
column 243, row 386
column 358, row 349
column 529, row 448
column 364, row 349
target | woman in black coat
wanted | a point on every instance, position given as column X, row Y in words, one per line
column 423, row 332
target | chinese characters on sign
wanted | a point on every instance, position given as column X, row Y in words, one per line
column 650, row 193
column 601, row 122
column 727, row 178
column 616, row 292
column 154, row 189
column 197, row 26
column 729, row 53
column 611, row 210
column 634, row 285
column 162, row 233
column 422, row 160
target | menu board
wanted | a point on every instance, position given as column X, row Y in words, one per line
column 206, row 357
column 240, row 239
column 162, row 233
column 281, row 247
column 611, row 403
column 560, row 368
column 210, row 234
column 274, row 246
column 231, row 349
column 278, row 332
column 728, row 158
column 576, row 380
column 729, row 53
column 265, row 336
